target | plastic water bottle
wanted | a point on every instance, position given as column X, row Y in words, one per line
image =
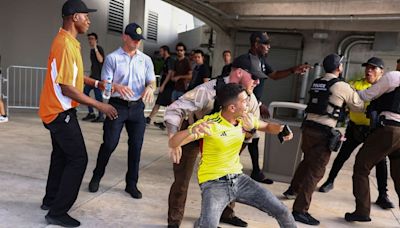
column 107, row 89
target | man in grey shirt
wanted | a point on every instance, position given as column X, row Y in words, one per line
column 383, row 141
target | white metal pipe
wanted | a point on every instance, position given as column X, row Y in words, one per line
column 351, row 37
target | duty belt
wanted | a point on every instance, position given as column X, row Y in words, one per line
column 313, row 124
column 119, row 101
column 385, row 122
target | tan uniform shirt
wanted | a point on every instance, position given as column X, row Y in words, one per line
column 389, row 82
column 341, row 93
column 199, row 102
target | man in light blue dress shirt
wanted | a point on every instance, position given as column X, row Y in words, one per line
column 130, row 67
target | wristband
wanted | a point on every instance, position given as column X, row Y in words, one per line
column 190, row 130
column 96, row 84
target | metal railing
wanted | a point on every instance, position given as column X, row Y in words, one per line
column 23, row 86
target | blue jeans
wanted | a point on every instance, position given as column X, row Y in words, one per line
column 97, row 94
column 216, row 194
column 176, row 95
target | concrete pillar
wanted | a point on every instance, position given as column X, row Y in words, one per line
column 224, row 41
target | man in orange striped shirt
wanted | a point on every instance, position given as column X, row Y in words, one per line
column 62, row 92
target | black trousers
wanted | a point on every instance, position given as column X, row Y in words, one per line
column 67, row 165
column 130, row 114
column 355, row 135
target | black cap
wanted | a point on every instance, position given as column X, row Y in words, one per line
column 134, row 31
column 374, row 61
column 332, row 62
column 249, row 63
column 71, row 7
column 261, row 37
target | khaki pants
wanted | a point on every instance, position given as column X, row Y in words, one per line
column 384, row 141
column 312, row 168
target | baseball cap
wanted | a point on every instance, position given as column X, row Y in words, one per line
column 261, row 36
column 71, row 7
column 134, row 31
column 374, row 61
column 249, row 63
column 332, row 62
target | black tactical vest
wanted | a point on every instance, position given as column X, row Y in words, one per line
column 319, row 99
column 387, row 102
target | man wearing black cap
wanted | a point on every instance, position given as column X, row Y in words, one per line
column 328, row 95
column 383, row 141
column 260, row 45
column 62, row 92
column 130, row 67
column 357, row 130
column 198, row 103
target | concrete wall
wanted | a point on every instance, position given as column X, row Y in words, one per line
column 28, row 27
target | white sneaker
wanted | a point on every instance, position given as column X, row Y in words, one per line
column 3, row 119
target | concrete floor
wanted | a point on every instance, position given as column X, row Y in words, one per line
column 24, row 160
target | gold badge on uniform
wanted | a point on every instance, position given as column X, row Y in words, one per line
column 138, row 30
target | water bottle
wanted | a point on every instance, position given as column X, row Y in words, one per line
column 107, row 89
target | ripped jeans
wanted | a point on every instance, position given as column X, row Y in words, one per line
column 216, row 194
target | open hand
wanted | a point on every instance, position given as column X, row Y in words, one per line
column 175, row 154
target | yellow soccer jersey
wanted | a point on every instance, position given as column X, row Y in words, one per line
column 359, row 118
column 220, row 150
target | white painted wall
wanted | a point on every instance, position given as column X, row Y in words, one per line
column 28, row 27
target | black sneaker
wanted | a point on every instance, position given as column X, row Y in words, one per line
column 236, row 221
column 94, row 184
column 160, row 125
column 98, row 120
column 45, row 207
column 65, row 220
column 351, row 217
column 148, row 120
column 384, row 202
column 173, row 226
column 89, row 116
column 134, row 192
column 259, row 177
column 305, row 218
column 326, row 187
column 290, row 194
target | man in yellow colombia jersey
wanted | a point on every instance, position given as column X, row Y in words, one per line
column 220, row 173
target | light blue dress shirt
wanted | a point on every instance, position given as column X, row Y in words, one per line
column 136, row 71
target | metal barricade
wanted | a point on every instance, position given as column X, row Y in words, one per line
column 23, row 86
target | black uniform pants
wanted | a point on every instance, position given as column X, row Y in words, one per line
column 67, row 165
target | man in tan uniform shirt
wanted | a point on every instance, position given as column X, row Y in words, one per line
column 316, row 133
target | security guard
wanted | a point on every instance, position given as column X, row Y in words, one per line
column 386, row 104
column 328, row 95
column 356, row 132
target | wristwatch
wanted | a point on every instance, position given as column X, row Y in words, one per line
column 252, row 131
